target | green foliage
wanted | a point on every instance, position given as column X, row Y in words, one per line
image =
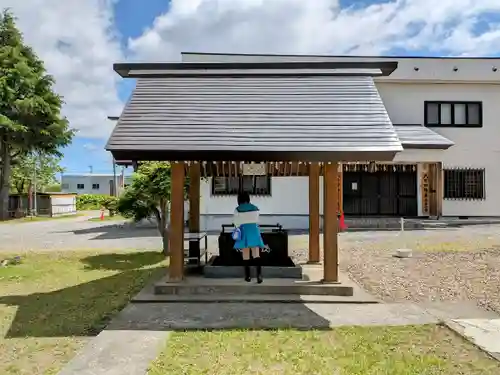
column 110, row 203
column 149, row 196
column 30, row 110
column 149, row 189
column 92, row 201
column 54, row 188
column 23, row 172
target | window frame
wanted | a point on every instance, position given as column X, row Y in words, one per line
column 240, row 186
column 95, row 187
column 80, row 188
column 469, row 189
column 452, row 104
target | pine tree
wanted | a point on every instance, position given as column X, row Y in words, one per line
column 30, row 110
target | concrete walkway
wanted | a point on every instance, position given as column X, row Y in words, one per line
column 484, row 333
column 117, row 353
column 137, row 334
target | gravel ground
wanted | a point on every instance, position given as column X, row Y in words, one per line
column 447, row 264
column 76, row 234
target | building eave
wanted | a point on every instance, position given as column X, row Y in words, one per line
column 150, row 70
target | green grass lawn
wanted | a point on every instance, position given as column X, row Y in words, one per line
column 52, row 304
column 409, row 350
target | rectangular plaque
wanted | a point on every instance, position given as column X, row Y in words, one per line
column 254, row 169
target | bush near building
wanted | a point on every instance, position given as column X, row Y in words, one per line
column 95, row 202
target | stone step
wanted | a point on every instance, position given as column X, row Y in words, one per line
column 252, row 298
column 240, row 287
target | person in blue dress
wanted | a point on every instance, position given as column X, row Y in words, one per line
column 249, row 241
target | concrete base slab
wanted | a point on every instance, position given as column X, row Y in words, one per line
column 484, row 333
column 144, row 297
column 118, row 352
column 310, row 285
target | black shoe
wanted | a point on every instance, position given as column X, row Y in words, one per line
column 247, row 271
column 258, row 268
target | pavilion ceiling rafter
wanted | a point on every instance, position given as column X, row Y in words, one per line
column 289, row 169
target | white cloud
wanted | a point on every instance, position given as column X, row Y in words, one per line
column 75, row 38
column 318, row 27
column 89, row 147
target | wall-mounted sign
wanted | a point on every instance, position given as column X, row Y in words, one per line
column 354, row 186
column 254, row 169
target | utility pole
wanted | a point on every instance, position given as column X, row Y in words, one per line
column 115, row 187
column 115, row 183
column 91, row 169
column 35, row 207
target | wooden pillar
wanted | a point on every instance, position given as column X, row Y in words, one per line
column 440, row 188
column 340, row 189
column 176, row 266
column 194, row 197
column 330, row 224
column 433, row 189
column 314, row 213
column 194, row 211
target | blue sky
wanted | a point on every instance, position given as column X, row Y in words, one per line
column 158, row 30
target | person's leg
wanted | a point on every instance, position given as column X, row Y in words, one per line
column 246, row 263
column 258, row 265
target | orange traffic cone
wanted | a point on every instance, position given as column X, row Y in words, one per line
column 102, row 214
column 342, row 224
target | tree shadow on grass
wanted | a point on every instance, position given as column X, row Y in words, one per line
column 123, row 262
column 80, row 310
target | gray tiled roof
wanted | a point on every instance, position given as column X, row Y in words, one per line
column 419, row 137
column 255, row 113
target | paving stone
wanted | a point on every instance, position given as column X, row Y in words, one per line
column 117, row 352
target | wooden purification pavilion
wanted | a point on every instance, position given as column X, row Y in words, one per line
column 211, row 118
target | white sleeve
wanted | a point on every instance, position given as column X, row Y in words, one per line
column 236, row 218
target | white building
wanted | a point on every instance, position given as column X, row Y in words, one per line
column 452, row 105
column 90, row 183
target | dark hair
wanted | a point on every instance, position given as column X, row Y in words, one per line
column 243, row 197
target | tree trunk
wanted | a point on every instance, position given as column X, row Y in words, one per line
column 4, row 179
column 165, row 240
column 161, row 222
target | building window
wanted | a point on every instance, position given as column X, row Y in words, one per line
column 80, row 186
column 95, row 186
column 454, row 114
column 254, row 185
column 464, row 184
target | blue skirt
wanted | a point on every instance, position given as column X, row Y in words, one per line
column 250, row 237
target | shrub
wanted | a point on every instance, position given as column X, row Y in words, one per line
column 110, row 203
column 92, row 201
